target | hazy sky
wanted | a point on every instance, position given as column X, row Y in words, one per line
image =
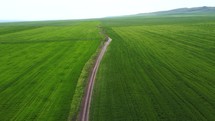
column 76, row 9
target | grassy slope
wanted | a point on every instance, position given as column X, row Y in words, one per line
column 158, row 69
column 156, row 20
column 40, row 67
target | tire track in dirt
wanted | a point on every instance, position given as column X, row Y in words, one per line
column 85, row 108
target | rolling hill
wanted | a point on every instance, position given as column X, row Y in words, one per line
column 187, row 11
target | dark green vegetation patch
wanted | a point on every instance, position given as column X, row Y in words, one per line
column 157, row 69
column 40, row 67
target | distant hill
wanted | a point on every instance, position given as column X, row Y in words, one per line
column 195, row 10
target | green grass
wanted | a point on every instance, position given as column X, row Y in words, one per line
column 84, row 31
column 156, row 20
column 40, row 68
column 158, row 70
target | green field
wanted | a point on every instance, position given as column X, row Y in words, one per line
column 41, row 63
column 157, row 69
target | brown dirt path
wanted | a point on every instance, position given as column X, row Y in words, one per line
column 85, row 108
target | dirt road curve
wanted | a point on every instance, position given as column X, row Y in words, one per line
column 84, row 114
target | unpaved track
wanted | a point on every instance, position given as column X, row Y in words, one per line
column 85, row 109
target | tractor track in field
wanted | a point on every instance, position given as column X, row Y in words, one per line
column 85, row 107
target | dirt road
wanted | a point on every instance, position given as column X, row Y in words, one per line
column 85, row 109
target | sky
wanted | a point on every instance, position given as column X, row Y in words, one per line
column 81, row 9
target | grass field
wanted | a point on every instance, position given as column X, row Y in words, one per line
column 157, row 69
column 41, row 63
